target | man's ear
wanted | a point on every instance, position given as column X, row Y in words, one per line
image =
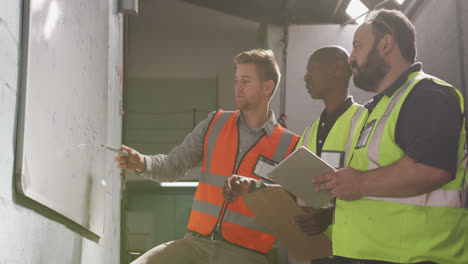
column 387, row 44
column 269, row 86
column 338, row 68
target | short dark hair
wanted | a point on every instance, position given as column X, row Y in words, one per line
column 330, row 55
column 395, row 23
column 265, row 64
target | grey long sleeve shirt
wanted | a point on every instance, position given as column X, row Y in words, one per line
column 174, row 166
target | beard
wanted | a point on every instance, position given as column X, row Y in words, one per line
column 371, row 73
column 245, row 103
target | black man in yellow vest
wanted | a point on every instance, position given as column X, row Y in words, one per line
column 327, row 78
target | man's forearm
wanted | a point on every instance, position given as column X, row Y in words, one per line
column 188, row 154
column 161, row 168
column 405, row 178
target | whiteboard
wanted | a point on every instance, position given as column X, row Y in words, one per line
column 63, row 108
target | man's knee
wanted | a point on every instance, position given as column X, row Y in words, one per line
column 155, row 255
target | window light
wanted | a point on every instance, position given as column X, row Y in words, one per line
column 400, row 2
column 357, row 10
column 179, row 184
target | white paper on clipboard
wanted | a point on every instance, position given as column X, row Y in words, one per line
column 295, row 174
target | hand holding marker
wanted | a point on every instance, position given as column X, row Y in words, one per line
column 128, row 159
column 120, row 151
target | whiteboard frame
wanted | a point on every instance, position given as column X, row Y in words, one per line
column 22, row 91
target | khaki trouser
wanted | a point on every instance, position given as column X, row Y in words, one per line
column 194, row 250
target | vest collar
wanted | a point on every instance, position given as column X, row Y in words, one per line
column 343, row 107
column 390, row 90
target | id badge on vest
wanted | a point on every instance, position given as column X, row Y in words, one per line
column 365, row 134
column 334, row 158
column 263, row 167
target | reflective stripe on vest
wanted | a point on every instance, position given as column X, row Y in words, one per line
column 238, row 224
column 230, row 216
column 212, row 179
column 283, row 146
column 305, row 138
column 449, row 198
column 355, row 121
column 206, row 208
column 213, row 135
column 244, row 220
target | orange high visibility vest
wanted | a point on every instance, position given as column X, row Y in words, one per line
column 237, row 223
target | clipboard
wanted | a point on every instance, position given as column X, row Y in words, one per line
column 295, row 174
column 276, row 210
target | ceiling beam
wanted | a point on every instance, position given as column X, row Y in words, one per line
column 339, row 6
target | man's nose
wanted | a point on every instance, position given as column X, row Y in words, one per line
column 237, row 86
column 351, row 58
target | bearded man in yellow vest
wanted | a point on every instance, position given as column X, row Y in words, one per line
column 400, row 198
column 226, row 143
